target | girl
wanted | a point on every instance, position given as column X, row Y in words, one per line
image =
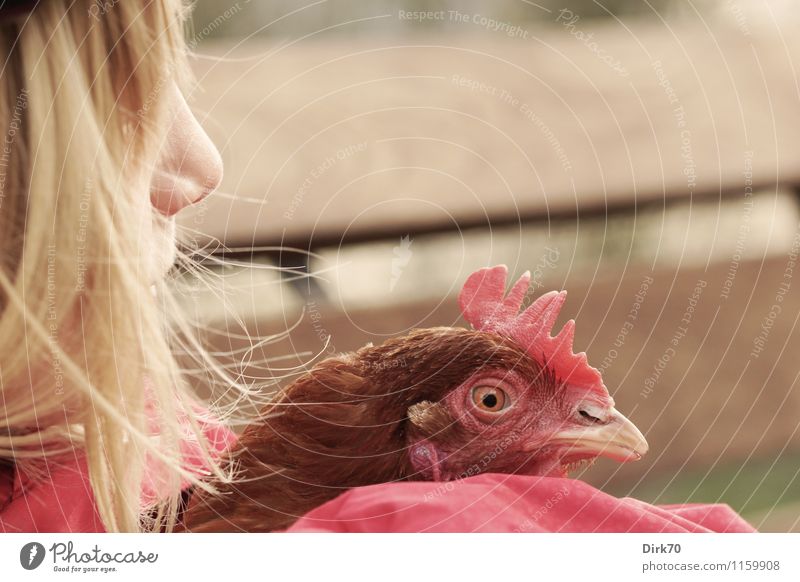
column 99, row 428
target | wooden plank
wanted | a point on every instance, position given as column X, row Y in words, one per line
column 335, row 140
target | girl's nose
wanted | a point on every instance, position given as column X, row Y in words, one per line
column 190, row 167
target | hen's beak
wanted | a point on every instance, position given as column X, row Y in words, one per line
column 615, row 437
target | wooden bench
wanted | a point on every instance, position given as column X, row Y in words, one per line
column 341, row 141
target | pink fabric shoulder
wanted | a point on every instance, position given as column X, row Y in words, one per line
column 63, row 502
column 508, row 503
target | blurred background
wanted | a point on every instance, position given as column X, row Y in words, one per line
column 641, row 155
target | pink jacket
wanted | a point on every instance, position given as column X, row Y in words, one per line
column 64, row 502
column 508, row 503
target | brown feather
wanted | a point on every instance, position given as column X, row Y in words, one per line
column 344, row 424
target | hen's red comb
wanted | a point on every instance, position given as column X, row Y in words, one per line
column 486, row 307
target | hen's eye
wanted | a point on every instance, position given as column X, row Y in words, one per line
column 489, row 398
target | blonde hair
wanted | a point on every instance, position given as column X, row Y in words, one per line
column 81, row 330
